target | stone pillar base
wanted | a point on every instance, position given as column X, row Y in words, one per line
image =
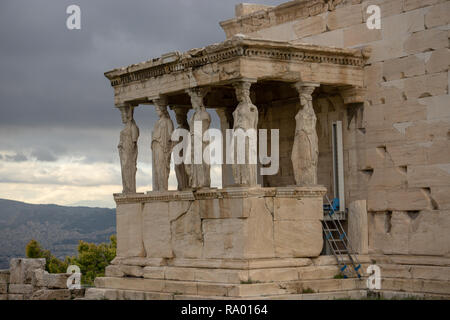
column 283, row 278
column 231, row 223
column 215, row 242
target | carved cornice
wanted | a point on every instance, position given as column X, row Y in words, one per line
column 227, row 193
column 236, row 47
column 121, row 198
column 305, row 87
column 353, row 95
column 301, row 192
column 160, row 101
column 272, row 16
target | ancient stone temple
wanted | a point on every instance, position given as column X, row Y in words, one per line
column 362, row 116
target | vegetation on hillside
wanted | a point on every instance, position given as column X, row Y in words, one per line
column 56, row 228
column 92, row 258
column 52, row 264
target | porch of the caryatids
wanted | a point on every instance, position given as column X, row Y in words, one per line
column 161, row 146
column 199, row 169
column 305, row 150
column 180, row 168
column 128, row 149
column 245, row 125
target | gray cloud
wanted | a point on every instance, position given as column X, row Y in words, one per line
column 43, row 155
column 56, row 102
column 17, row 157
column 53, row 75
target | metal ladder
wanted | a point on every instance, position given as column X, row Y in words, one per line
column 339, row 244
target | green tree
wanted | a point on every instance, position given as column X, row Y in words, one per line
column 92, row 259
column 33, row 249
column 52, row 264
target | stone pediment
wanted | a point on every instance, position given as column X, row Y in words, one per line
column 236, row 58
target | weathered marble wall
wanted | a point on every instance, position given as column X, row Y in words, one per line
column 26, row 279
column 398, row 156
column 278, row 107
column 239, row 223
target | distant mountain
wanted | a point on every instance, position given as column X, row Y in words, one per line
column 57, row 228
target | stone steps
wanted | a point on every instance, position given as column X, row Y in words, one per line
column 164, row 288
column 254, row 271
column 441, row 273
column 417, row 285
column 118, row 294
column 389, row 294
column 293, row 278
column 230, row 290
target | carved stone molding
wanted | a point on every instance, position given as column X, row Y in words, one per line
column 125, row 105
column 234, row 48
column 300, row 192
column 232, row 192
column 353, row 95
column 160, row 101
column 151, row 196
column 199, row 91
column 305, row 87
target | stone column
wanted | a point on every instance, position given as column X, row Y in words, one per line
column 180, row 169
column 305, row 151
column 245, row 118
column 226, row 122
column 128, row 149
column 161, row 146
column 358, row 230
column 199, row 170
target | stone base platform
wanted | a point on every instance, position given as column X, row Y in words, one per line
column 230, row 223
column 289, row 278
column 223, row 279
column 293, row 278
column 242, row 243
column 118, row 294
column 233, row 242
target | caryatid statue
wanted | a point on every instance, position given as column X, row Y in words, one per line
column 128, row 149
column 245, row 118
column 161, row 147
column 180, row 169
column 305, row 151
column 198, row 170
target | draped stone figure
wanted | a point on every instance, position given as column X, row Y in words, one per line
column 180, row 169
column 305, row 151
column 128, row 149
column 226, row 122
column 245, row 117
column 199, row 175
column 161, row 147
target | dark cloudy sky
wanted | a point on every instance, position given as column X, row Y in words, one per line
column 58, row 126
